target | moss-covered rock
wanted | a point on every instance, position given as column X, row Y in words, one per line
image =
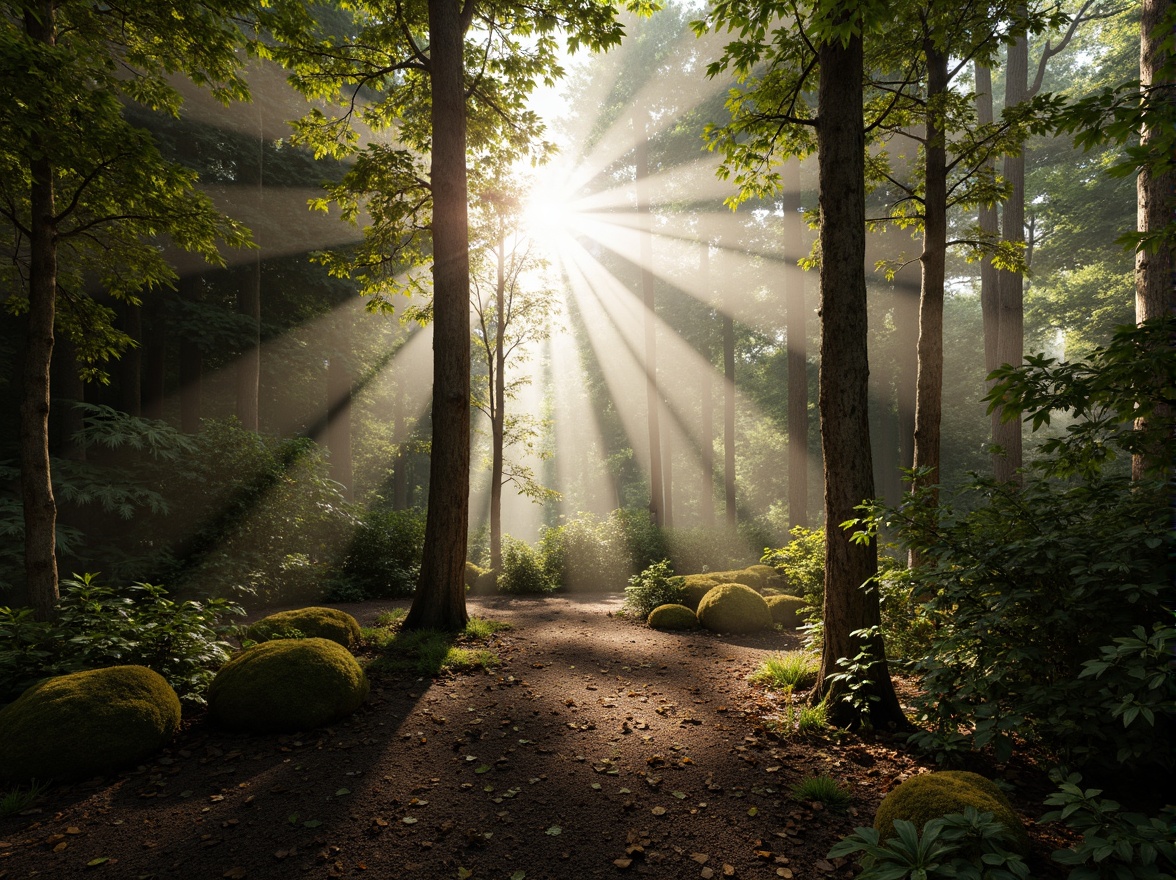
column 734, row 608
column 86, row 723
column 933, row 795
column 694, row 587
column 768, row 576
column 287, row 685
column 672, row 617
column 784, row 609
column 313, row 622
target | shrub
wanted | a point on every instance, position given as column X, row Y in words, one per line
column 705, row 549
column 287, row 685
column 672, row 617
column 86, row 723
column 99, row 626
column 656, row 585
column 802, row 564
column 522, row 569
column 383, row 558
column 786, row 610
column 734, row 608
column 695, row 586
column 472, row 573
column 935, row 795
column 313, row 622
column 586, row 554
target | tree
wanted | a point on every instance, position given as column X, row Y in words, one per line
column 770, row 116
column 84, row 193
column 403, row 66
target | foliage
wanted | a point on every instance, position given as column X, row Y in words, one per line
column 656, row 585
column 1123, row 846
column 802, row 562
column 799, row 717
column 429, row 652
column 586, row 553
column 98, row 626
column 383, row 558
column 823, row 789
column 969, row 845
column 522, row 569
column 787, row 671
column 18, row 798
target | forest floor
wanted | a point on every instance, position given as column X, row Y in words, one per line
column 598, row 748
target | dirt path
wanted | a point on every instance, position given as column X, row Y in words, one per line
column 597, row 749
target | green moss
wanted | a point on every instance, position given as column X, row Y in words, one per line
column 932, row 795
column 472, row 573
column 87, row 723
column 694, row 587
column 672, row 617
column 287, row 685
column 770, row 579
column 784, row 610
column 734, row 608
column 313, row 622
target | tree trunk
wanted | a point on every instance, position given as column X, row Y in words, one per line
column 37, row 501
column 1011, row 308
column 154, row 360
column 844, row 391
column 797, row 358
column 130, row 388
column 729, row 419
column 340, row 383
column 706, row 415
column 1155, row 269
column 191, row 368
column 249, row 363
column 439, row 600
column 652, row 403
column 498, row 410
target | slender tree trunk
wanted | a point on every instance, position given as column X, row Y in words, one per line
column 439, row 600
column 652, row 403
column 191, row 368
column 130, row 387
column 340, row 382
column 844, row 390
column 706, row 415
column 249, row 363
column 990, row 226
column 797, row 359
column 498, row 410
column 154, row 360
column 1011, row 307
column 729, row 419
column 38, row 503
column 1155, row 269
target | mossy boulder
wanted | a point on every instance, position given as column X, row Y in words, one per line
column 672, row 617
column 769, row 578
column 287, row 685
column 695, row 586
column 734, row 608
column 933, row 795
column 785, row 609
column 87, row 723
column 313, row 622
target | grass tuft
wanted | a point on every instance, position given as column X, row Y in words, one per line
column 824, row 789
column 17, row 800
column 429, row 652
column 391, row 616
column 787, row 671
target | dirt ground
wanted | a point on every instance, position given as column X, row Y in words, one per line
column 598, row 748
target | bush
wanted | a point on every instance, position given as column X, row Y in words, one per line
column 472, row 573
column 586, row 554
column 695, row 586
column 786, row 610
column 672, row 617
column 788, row 671
column 734, row 608
column 522, row 569
column 287, row 685
column 655, row 586
column 313, row 622
column 935, row 795
column 801, row 562
column 85, row 723
column 383, row 558
column 99, row 626
column 705, row 549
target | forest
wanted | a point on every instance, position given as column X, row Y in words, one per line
column 366, row 360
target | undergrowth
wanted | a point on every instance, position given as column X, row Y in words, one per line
column 787, row 671
column 430, row 652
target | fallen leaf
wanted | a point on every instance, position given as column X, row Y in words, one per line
column 100, row 860
column 622, row 863
column 658, row 811
column 754, row 811
column 483, row 768
column 707, row 873
column 342, row 792
column 701, row 858
column 409, row 820
column 728, row 870
column 61, row 846
column 554, row 831
column 312, row 823
column 786, row 873
column 234, row 873
column 464, row 873
column 73, row 830
column 680, row 795
column 825, row 866
column 519, row 875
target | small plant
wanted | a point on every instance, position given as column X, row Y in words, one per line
column 390, row 617
column 429, row 652
column 481, row 628
column 969, row 844
column 800, row 718
column 19, row 799
column 787, row 671
column 823, row 789
column 656, row 585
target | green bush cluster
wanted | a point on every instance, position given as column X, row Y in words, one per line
column 98, row 626
column 522, row 569
column 383, row 557
column 656, row 585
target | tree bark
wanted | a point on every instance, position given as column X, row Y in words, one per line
column 37, row 501
column 652, row 402
column 439, row 600
column 706, row 417
column 191, row 368
column 797, row 358
column 844, row 391
column 249, row 362
column 990, row 226
column 729, row 419
column 1011, row 305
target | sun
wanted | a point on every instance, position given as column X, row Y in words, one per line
column 549, row 211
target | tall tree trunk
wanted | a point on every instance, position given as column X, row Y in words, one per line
column 1011, row 306
column 439, row 600
column 706, row 415
column 990, row 226
column 154, row 360
column 130, row 388
column 498, row 409
column 797, row 357
column 37, row 501
column 191, row 368
column 844, row 390
column 652, row 402
column 249, row 363
column 340, row 382
column 1155, row 268
column 729, row 419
